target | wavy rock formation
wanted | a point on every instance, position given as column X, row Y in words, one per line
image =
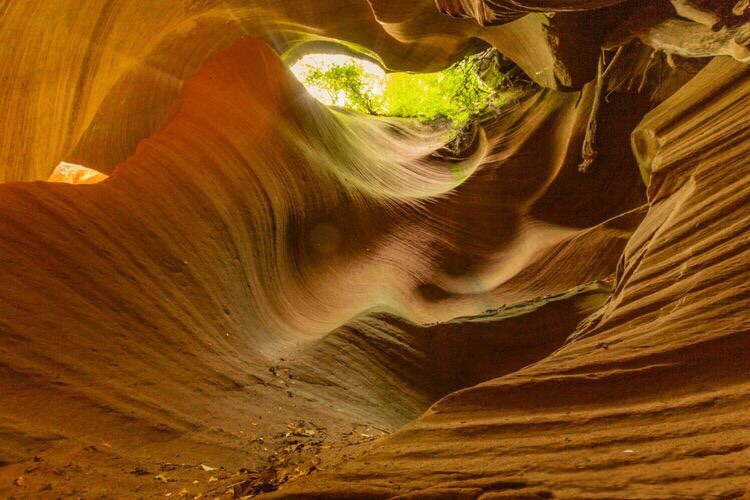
column 248, row 287
column 648, row 398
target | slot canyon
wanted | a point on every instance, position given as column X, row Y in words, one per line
column 212, row 285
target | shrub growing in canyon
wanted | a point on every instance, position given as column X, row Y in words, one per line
column 458, row 94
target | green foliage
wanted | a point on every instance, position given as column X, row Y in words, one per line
column 457, row 93
column 347, row 80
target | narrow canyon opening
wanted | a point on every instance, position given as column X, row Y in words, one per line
column 455, row 100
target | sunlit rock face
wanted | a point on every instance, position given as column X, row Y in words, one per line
column 75, row 174
column 228, row 288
